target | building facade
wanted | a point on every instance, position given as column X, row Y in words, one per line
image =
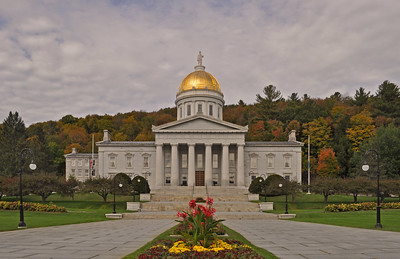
column 197, row 149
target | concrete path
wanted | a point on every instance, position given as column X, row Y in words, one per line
column 108, row 239
column 290, row 239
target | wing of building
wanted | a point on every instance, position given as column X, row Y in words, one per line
column 197, row 149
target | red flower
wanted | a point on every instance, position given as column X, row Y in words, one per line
column 209, row 201
column 192, row 204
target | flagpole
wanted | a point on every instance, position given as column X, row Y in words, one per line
column 308, row 171
column 92, row 163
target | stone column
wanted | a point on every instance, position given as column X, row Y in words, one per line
column 208, row 165
column 174, row 165
column 191, row 166
column 240, row 165
column 225, row 165
column 159, row 165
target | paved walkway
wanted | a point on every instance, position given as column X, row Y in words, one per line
column 108, row 239
column 117, row 238
column 290, row 239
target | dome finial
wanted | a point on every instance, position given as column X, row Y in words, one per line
column 200, row 66
column 200, row 59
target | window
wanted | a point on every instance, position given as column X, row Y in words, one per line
column 253, row 161
column 231, row 159
column 287, row 160
column 86, row 172
column 73, row 162
column 210, row 110
column 80, row 162
column 167, row 159
column 87, row 162
column 79, row 172
column 180, row 112
column 188, row 109
column 112, row 162
column 287, row 177
column 199, row 161
column 168, row 179
column 184, row 161
column 72, row 171
column 128, row 161
column 231, row 179
column 215, row 160
column 146, row 162
column 199, row 108
column 219, row 112
column 270, row 161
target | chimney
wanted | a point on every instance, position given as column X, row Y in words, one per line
column 292, row 136
column 106, row 137
column 74, row 150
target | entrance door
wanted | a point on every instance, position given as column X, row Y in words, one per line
column 199, row 178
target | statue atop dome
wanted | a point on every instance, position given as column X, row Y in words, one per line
column 200, row 59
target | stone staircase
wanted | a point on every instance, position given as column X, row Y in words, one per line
column 229, row 202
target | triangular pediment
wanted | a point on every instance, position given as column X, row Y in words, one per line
column 199, row 123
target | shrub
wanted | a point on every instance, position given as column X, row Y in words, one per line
column 140, row 184
column 30, row 206
column 256, row 185
column 360, row 206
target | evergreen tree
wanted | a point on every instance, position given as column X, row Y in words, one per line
column 12, row 140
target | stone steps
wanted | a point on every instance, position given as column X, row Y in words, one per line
column 226, row 206
column 218, row 215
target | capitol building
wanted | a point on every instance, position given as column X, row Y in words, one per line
column 198, row 149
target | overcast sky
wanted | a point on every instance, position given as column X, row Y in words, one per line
column 97, row 57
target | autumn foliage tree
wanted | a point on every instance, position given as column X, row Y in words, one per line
column 327, row 163
column 361, row 129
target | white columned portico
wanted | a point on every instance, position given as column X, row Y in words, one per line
column 159, row 165
column 174, row 165
column 208, row 165
column 191, row 166
column 240, row 165
column 225, row 165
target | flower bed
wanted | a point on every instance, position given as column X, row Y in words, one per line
column 199, row 230
column 30, row 206
column 180, row 249
column 360, row 206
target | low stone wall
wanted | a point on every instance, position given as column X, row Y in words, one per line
column 253, row 197
column 145, row 197
column 264, row 206
column 133, row 206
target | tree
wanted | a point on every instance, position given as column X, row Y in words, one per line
column 327, row 163
column 387, row 100
column 356, row 186
column 12, row 140
column 101, row 186
column 325, row 186
column 361, row 97
column 361, row 128
column 140, row 184
column 342, row 146
column 10, row 186
column 256, row 185
column 320, row 132
column 42, row 184
column 267, row 106
column 68, row 187
column 1, row 186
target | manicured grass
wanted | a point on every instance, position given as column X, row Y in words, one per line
column 85, row 208
column 231, row 235
column 310, row 208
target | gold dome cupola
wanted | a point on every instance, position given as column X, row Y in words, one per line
column 199, row 79
column 199, row 94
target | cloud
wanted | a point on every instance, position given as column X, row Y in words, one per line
column 96, row 57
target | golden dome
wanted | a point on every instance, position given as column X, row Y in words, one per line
column 199, row 80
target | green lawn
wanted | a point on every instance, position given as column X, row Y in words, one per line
column 310, row 208
column 85, row 208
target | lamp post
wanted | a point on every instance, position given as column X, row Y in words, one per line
column 32, row 166
column 286, row 185
column 264, row 186
column 365, row 168
column 119, row 185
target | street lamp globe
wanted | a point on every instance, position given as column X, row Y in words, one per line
column 120, row 185
column 365, row 168
column 32, row 166
column 280, row 185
